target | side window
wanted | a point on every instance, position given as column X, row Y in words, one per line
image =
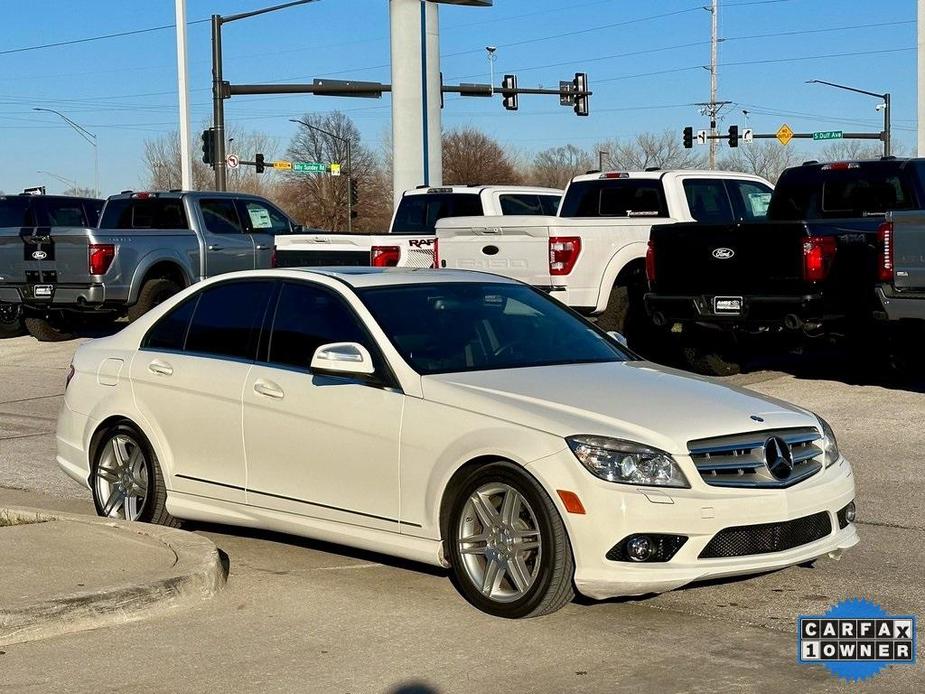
column 169, row 333
column 520, row 204
column 262, row 218
column 307, row 317
column 220, row 216
column 65, row 213
column 228, row 319
column 749, row 200
column 708, row 201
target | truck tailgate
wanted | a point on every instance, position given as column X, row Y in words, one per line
column 322, row 250
column 44, row 256
column 909, row 251
column 756, row 258
column 513, row 246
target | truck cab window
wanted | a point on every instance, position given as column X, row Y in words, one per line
column 708, row 201
column 220, row 216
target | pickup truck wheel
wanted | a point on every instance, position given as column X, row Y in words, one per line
column 615, row 315
column 10, row 320
column 626, row 314
column 48, row 329
column 153, row 292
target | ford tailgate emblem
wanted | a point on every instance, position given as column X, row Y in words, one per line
column 39, row 255
column 723, row 253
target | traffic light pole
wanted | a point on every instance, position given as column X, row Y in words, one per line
column 218, row 104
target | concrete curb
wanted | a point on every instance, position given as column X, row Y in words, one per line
column 197, row 574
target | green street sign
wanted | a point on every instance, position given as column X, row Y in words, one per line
column 828, row 135
column 309, row 167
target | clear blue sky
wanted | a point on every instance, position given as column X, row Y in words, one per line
column 645, row 72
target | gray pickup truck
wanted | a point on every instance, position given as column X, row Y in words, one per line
column 147, row 247
column 901, row 244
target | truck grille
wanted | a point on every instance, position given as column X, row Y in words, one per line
column 766, row 538
column 748, row 460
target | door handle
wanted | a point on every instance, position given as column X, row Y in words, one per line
column 160, row 368
column 268, row 389
column 214, row 247
column 263, row 248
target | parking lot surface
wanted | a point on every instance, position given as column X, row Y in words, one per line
column 308, row 616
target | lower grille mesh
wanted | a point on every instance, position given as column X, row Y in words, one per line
column 767, row 538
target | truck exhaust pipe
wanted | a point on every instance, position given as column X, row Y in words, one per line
column 792, row 321
column 659, row 320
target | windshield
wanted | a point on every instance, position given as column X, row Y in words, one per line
column 448, row 327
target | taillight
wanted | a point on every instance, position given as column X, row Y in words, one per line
column 650, row 262
column 563, row 253
column 274, row 260
column 70, row 375
column 818, row 253
column 384, row 256
column 101, row 255
column 885, row 256
column 436, row 253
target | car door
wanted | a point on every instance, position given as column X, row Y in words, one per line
column 188, row 376
column 263, row 222
column 321, row 446
column 227, row 247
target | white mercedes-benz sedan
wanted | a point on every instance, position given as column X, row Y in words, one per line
column 454, row 418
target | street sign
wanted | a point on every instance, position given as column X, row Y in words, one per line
column 335, row 169
column 232, row 161
column 784, row 134
column 701, row 137
column 747, row 135
column 828, row 135
column 282, row 165
column 309, row 167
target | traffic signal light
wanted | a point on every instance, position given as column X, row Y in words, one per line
column 509, row 92
column 259, row 165
column 688, row 137
column 580, row 87
column 354, row 196
column 208, row 146
column 733, row 135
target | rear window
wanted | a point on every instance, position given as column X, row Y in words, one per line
column 151, row 213
column 66, row 213
column 15, row 212
column 528, row 203
column 418, row 214
column 619, row 197
column 871, row 188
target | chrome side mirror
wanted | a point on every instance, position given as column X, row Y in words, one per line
column 619, row 337
column 343, row 358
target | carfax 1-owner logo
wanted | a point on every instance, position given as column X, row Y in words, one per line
column 856, row 639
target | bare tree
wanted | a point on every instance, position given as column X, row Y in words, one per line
column 840, row 150
column 471, row 156
column 556, row 166
column 663, row 150
column 766, row 158
column 79, row 192
column 322, row 199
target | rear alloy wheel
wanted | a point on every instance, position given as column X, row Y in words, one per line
column 11, row 324
column 509, row 549
column 126, row 479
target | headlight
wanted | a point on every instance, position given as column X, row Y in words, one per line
column 829, row 444
column 626, row 462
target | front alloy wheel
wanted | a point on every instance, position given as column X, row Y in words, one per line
column 508, row 546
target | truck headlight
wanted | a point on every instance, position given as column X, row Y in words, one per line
column 616, row 460
column 829, row 444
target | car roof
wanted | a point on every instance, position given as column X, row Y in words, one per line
column 658, row 173
column 476, row 188
column 361, row 277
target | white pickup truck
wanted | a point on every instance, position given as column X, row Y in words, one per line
column 410, row 240
column 592, row 255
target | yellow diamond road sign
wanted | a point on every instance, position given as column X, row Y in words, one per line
column 784, row 134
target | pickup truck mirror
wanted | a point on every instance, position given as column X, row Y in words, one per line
column 298, row 228
column 619, row 337
column 343, row 358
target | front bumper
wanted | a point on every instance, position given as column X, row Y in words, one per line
column 756, row 310
column 615, row 511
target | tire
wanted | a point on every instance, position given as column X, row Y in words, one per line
column 123, row 461
column 615, row 315
column 48, row 329
column 546, row 567
column 153, row 292
column 11, row 324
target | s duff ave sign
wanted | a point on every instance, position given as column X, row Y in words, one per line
column 828, row 135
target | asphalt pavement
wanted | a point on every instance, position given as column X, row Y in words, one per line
column 309, row 616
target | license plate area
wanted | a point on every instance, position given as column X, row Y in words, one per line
column 43, row 291
column 727, row 305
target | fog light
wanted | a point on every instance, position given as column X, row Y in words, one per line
column 851, row 512
column 639, row 548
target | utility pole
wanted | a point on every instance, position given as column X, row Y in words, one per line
column 920, row 111
column 714, row 29
column 186, row 164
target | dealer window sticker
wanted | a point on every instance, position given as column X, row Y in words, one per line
column 759, row 203
column 260, row 217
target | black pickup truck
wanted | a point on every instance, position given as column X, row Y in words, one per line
column 809, row 269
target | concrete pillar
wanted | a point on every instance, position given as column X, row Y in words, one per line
column 920, row 82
